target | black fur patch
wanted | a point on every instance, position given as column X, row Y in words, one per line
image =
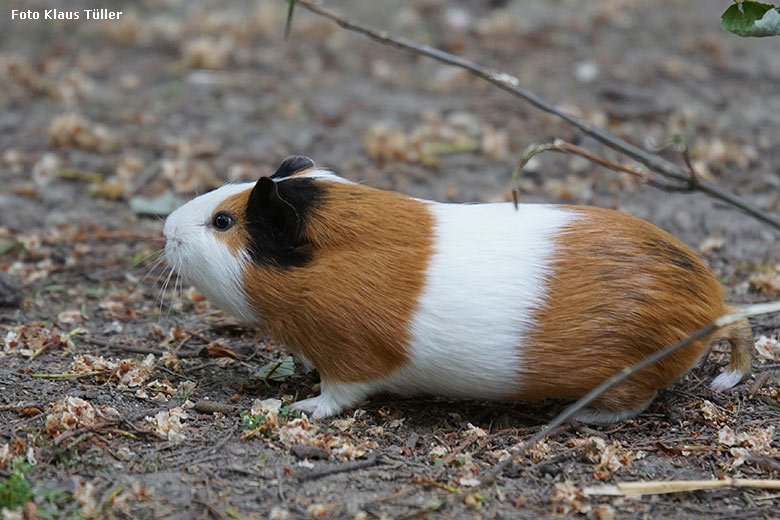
column 293, row 165
column 277, row 213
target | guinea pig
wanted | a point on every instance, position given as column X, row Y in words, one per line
column 382, row 292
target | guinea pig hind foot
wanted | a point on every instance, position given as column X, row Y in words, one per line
column 726, row 380
column 334, row 398
column 596, row 415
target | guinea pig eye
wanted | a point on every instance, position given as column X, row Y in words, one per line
column 223, row 221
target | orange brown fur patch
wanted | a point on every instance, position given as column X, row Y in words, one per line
column 620, row 289
column 235, row 206
column 348, row 309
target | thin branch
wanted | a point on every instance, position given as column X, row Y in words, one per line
column 559, row 145
column 511, row 84
column 288, row 25
column 349, row 466
column 726, row 319
column 677, row 486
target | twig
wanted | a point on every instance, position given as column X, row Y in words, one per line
column 106, row 427
column 760, row 381
column 472, row 438
column 212, row 452
column 146, row 350
column 559, row 145
column 676, row 486
column 242, row 471
column 68, row 375
column 280, row 484
column 351, row 466
column 288, row 25
column 726, row 319
column 511, row 84
column 433, row 483
column 18, row 407
column 210, row 508
column 765, row 462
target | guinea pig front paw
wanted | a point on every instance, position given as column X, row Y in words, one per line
column 333, row 399
column 318, row 407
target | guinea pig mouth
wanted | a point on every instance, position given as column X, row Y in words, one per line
column 172, row 242
column 173, row 252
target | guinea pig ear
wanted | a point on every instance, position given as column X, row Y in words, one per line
column 266, row 205
column 293, row 165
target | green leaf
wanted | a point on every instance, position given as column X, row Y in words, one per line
column 752, row 19
column 277, row 371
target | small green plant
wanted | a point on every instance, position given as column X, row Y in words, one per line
column 184, row 394
column 150, row 464
column 16, row 490
column 50, row 502
column 251, row 421
column 288, row 413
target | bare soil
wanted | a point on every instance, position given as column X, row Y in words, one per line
column 183, row 96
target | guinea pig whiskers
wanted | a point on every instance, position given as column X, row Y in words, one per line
column 175, row 290
column 181, row 289
column 162, row 273
column 162, row 293
column 157, row 282
column 154, row 254
column 160, row 259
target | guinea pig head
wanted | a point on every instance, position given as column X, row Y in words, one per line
column 212, row 239
column 203, row 245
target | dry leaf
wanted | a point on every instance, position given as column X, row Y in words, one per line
column 217, row 350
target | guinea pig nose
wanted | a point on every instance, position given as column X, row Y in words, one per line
column 170, row 231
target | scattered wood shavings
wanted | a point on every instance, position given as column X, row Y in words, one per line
column 712, row 413
column 768, row 348
column 207, row 53
column 70, row 413
column 74, row 130
column 458, row 132
column 169, row 424
column 291, row 431
column 743, row 445
column 766, row 282
column 31, row 340
column 566, row 498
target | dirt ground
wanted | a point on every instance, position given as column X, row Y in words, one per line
column 120, row 398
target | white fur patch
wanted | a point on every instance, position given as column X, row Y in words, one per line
column 487, row 275
column 320, row 174
column 727, row 379
column 334, row 398
column 193, row 251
